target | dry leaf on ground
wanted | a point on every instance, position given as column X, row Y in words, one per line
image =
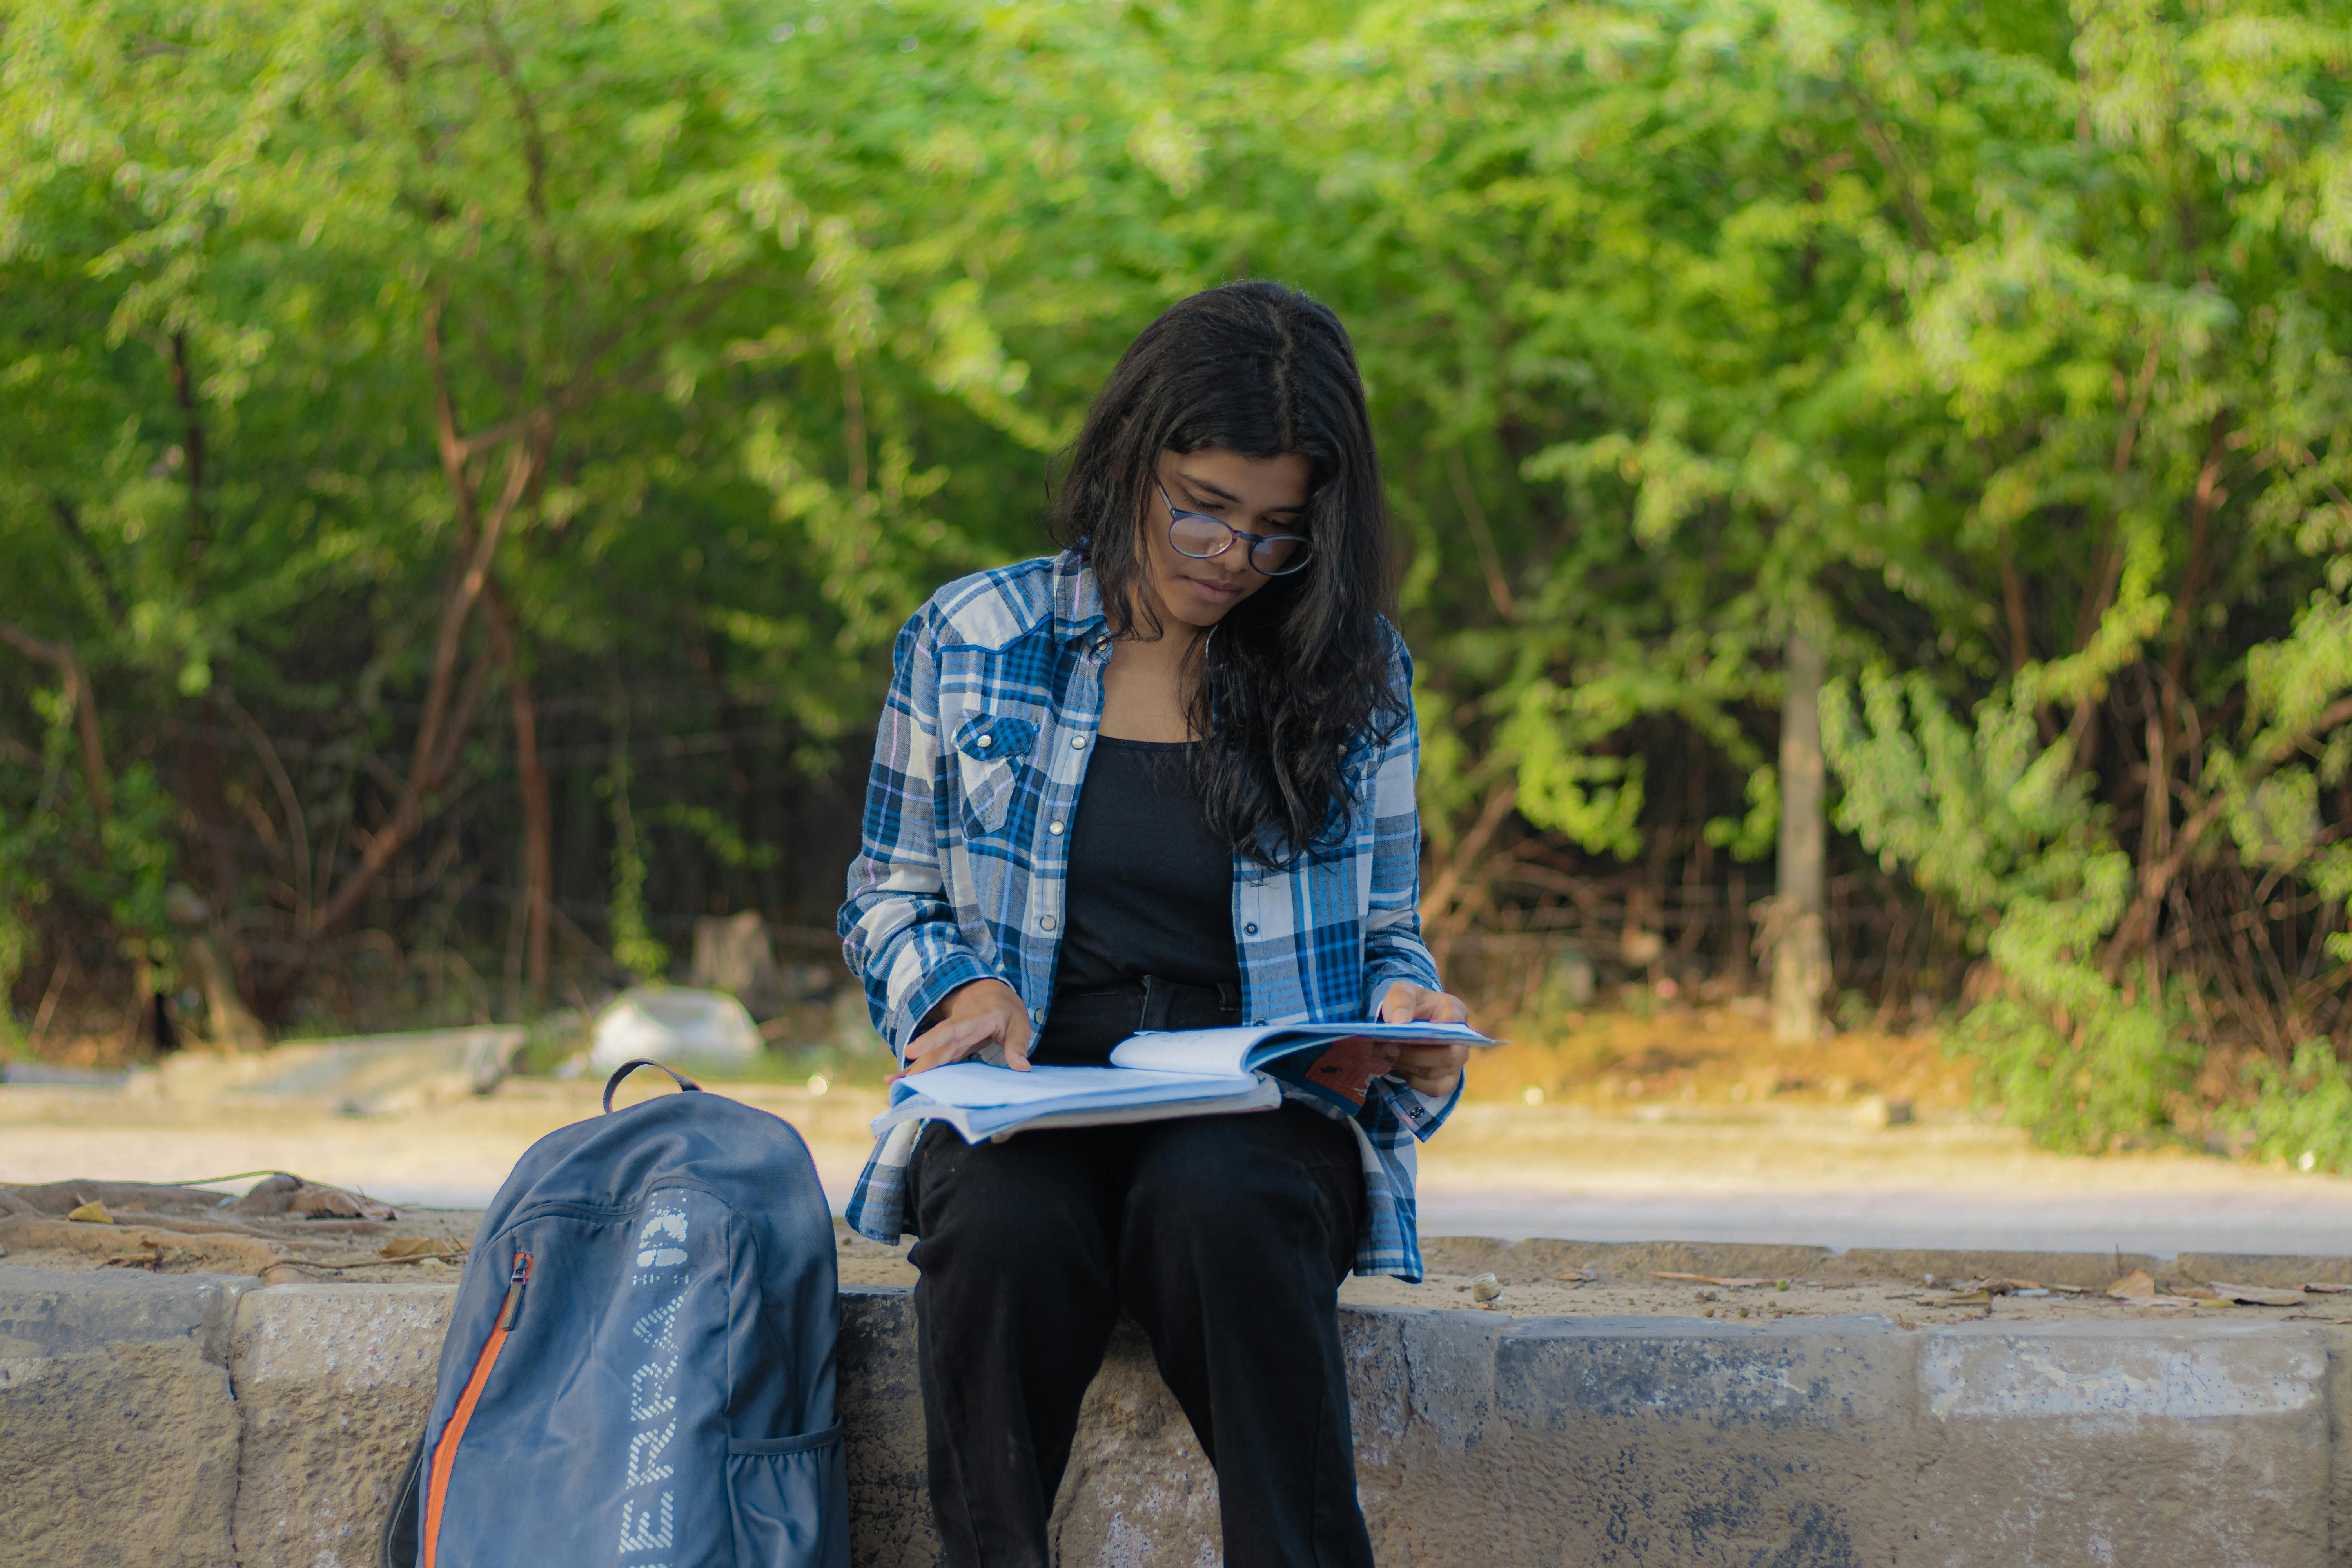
column 2328, row 1289
column 1709, row 1279
column 421, row 1246
column 1579, row 1275
column 2134, row 1285
column 2257, row 1295
column 92, row 1213
column 319, row 1200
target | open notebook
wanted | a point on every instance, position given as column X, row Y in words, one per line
column 1157, row 1076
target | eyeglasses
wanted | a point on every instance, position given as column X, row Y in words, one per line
column 1201, row 536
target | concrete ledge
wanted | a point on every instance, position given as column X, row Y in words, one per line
column 332, row 1382
column 117, row 1433
column 190, row 1420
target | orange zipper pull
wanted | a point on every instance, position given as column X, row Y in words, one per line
column 516, row 1280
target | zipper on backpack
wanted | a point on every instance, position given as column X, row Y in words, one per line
column 511, row 1312
column 445, row 1453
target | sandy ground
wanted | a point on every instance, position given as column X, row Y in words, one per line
column 1779, row 1171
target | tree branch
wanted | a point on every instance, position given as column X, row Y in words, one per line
column 83, row 700
column 442, row 728
column 1497, row 589
column 1498, row 807
column 1882, row 147
column 2155, row 879
column 297, row 831
column 183, row 393
column 70, row 520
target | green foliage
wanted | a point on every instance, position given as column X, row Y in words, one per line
column 2006, row 832
column 2301, row 1114
column 634, row 947
column 1998, row 349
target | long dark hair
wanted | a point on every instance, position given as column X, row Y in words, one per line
column 1296, row 674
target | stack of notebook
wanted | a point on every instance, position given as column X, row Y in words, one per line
column 1154, row 1077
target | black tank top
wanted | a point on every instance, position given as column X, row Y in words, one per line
column 1150, row 887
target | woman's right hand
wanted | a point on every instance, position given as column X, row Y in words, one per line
column 974, row 1016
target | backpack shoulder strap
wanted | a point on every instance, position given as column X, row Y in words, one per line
column 625, row 1068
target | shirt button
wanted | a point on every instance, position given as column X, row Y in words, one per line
column 1044, row 922
column 1077, row 742
column 1053, row 827
column 1250, row 929
column 987, row 740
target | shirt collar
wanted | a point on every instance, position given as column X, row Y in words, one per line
column 1077, row 600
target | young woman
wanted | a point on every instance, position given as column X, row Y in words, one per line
column 1161, row 779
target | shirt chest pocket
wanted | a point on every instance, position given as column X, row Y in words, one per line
column 992, row 753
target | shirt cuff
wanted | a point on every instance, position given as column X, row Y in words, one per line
column 1425, row 1113
column 960, row 970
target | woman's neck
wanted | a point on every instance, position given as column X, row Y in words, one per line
column 1144, row 691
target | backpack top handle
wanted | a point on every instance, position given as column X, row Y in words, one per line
column 625, row 1068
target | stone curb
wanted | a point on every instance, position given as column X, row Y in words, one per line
column 1537, row 1259
column 212, row 1422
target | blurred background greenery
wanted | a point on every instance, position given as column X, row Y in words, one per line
column 1873, row 475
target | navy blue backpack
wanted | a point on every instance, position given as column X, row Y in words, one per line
column 639, row 1369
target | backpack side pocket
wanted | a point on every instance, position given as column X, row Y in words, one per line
column 789, row 1500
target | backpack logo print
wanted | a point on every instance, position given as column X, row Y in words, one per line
column 643, row 1450
column 658, row 1327
column 638, row 1532
column 643, row 1405
column 653, row 1390
column 660, row 1224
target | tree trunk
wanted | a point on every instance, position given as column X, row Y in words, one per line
column 538, row 837
column 228, row 1022
column 1801, row 949
column 527, row 944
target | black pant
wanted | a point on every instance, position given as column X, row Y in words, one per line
column 1225, row 1237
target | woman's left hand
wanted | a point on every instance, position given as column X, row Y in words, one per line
column 1434, row 1070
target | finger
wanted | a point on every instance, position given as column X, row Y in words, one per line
column 939, row 1057
column 932, row 1038
column 1397, row 1006
column 948, row 1042
column 1440, row 1008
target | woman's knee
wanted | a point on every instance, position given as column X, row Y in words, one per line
column 1216, row 1176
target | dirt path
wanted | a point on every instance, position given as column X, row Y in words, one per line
column 1775, row 1172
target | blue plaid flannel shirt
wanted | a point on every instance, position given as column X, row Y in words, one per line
column 981, row 752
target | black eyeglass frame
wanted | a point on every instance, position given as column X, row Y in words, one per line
column 1175, row 514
